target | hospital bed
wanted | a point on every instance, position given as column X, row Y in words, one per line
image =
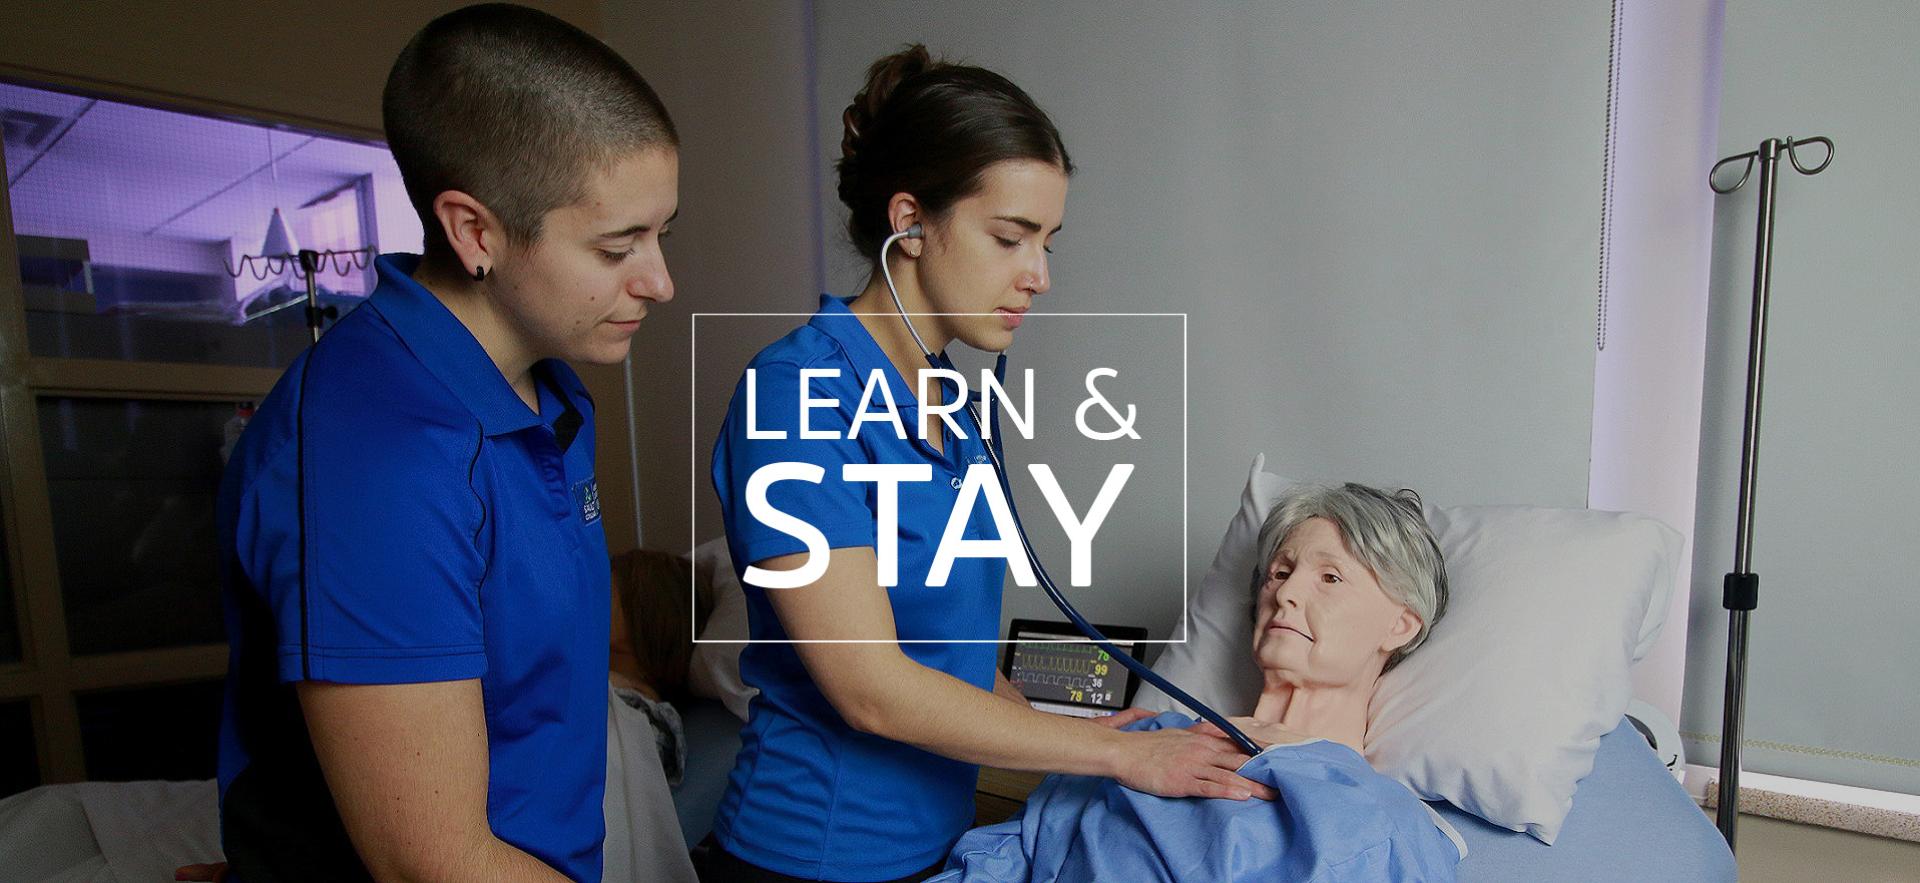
column 1631, row 821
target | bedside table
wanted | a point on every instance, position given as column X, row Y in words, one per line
column 1000, row 793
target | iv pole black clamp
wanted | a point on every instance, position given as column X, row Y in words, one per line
column 317, row 315
column 1741, row 592
column 311, row 263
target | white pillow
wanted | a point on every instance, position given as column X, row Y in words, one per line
column 1501, row 710
column 714, row 671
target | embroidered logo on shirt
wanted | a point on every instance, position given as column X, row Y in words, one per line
column 587, row 494
column 979, row 458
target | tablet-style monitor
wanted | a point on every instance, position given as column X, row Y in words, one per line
column 1060, row 671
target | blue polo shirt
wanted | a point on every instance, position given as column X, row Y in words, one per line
column 810, row 796
column 396, row 514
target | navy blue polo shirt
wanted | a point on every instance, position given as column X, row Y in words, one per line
column 396, row 514
column 810, row 796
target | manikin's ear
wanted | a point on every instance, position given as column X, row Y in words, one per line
column 903, row 211
column 1405, row 626
column 471, row 229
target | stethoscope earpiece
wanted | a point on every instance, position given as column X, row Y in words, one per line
column 913, row 232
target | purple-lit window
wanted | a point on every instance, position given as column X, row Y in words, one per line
column 131, row 223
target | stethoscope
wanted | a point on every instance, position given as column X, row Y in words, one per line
column 993, row 446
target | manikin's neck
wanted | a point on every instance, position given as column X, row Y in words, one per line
column 1338, row 714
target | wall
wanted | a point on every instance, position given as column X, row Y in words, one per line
column 1648, row 372
column 1381, row 219
column 1830, row 693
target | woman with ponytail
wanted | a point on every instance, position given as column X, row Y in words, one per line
column 860, row 753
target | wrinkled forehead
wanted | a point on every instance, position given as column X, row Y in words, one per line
column 1315, row 541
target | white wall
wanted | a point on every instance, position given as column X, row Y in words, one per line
column 1648, row 373
column 1832, row 667
column 1381, row 218
column 1382, row 222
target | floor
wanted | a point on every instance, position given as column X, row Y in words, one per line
column 1772, row 851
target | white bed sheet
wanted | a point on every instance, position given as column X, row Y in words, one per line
column 100, row 832
column 104, row 832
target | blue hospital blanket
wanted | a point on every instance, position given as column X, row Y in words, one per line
column 1336, row 820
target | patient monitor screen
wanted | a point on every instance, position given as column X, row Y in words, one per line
column 1069, row 677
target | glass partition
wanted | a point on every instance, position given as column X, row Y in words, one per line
column 159, row 293
column 146, row 234
column 131, row 485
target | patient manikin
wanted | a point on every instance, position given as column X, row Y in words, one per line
column 1351, row 585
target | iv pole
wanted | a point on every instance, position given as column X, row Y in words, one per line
column 263, row 267
column 282, row 254
column 1741, row 591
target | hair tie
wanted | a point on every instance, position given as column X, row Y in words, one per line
column 852, row 135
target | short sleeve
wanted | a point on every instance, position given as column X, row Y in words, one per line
column 841, row 510
column 364, row 550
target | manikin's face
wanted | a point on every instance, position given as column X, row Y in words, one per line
column 579, row 291
column 988, row 255
column 1322, row 618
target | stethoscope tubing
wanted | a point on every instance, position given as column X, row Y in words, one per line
column 993, row 446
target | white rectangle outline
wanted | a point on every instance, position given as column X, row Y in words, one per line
column 693, row 498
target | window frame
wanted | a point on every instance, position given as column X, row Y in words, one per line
column 48, row 675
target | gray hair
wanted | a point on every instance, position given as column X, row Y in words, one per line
column 1387, row 532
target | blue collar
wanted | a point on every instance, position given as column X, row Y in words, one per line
column 835, row 320
column 443, row 344
column 841, row 324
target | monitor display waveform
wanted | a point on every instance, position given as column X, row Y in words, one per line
column 1068, row 672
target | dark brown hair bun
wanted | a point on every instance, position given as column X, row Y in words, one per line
column 883, row 76
column 931, row 128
